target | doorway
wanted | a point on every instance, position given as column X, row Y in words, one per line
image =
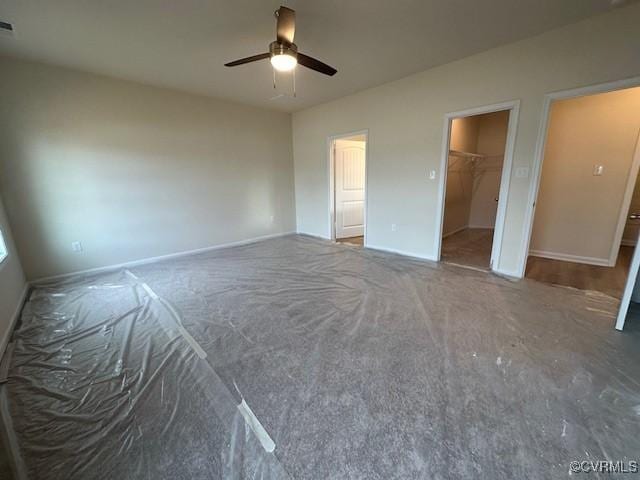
column 587, row 216
column 348, row 174
column 584, row 219
column 476, row 164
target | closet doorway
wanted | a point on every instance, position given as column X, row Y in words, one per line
column 348, row 167
column 477, row 163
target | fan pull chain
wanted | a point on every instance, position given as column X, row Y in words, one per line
column 294, row 83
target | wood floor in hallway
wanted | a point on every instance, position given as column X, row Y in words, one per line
column 472, row 247
column 608, row 280
column 359, row 241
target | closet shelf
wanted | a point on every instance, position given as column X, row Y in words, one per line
column 473, row 156
column 460, row 153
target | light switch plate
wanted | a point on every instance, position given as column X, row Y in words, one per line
column 432, row 174
column 598, row 170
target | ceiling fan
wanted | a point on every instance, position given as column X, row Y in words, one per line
column 283, row 52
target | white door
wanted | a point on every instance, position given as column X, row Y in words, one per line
column 350, row 172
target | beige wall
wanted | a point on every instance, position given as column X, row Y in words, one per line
column 12, row 282
column 133, row 171
column 464, row 134
column 464, row 138
column 577, row 213
column 405, row 120
column 472, row 187
column 458, row 195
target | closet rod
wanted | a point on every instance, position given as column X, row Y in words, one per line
column 460, row 153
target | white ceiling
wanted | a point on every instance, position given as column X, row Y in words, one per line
column 183, row 43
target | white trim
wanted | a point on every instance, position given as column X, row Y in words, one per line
column 4, row 251
column 567, row 257
column 626, row 204
column 534, row 185
column 331, row 170
column 509, row 274
column 312, row 235
column 144, row 261
column 628, row 289
column 14, row 319
column 536, row 170
column 332, row 190
column 457, row 230
column 405, row 253
column 514, row 113
column 442, row 186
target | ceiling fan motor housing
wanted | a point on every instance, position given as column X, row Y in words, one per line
column 276, row 48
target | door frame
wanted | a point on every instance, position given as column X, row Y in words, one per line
column 513, row 106
column 541, row 143
column 332, row 179
column 629, row 287
column 632, row 274
column 626, row 203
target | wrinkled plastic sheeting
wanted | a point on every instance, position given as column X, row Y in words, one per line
column 105, row 383
column 358, row 364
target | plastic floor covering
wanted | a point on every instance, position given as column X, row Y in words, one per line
column 297, row 358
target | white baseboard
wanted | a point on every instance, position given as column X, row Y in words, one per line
column 509, row 274
column 453, row 232
column 406, row 253
column 144, row 261
column 628, row 243
column 14, row 319
column 601, row 262
column 313, row 235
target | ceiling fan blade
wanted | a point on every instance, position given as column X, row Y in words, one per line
column 316, row 65
column 242, row 61
column 286, row 25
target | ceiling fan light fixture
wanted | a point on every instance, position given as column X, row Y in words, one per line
column 284, row 62
column 284, row 58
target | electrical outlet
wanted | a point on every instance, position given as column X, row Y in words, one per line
column 76, row 246
column 272, row 218
column 394, row 227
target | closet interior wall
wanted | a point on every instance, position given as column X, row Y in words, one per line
column 474, row 170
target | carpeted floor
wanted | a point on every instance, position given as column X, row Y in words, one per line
column 301, row 358
column 6, row 468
